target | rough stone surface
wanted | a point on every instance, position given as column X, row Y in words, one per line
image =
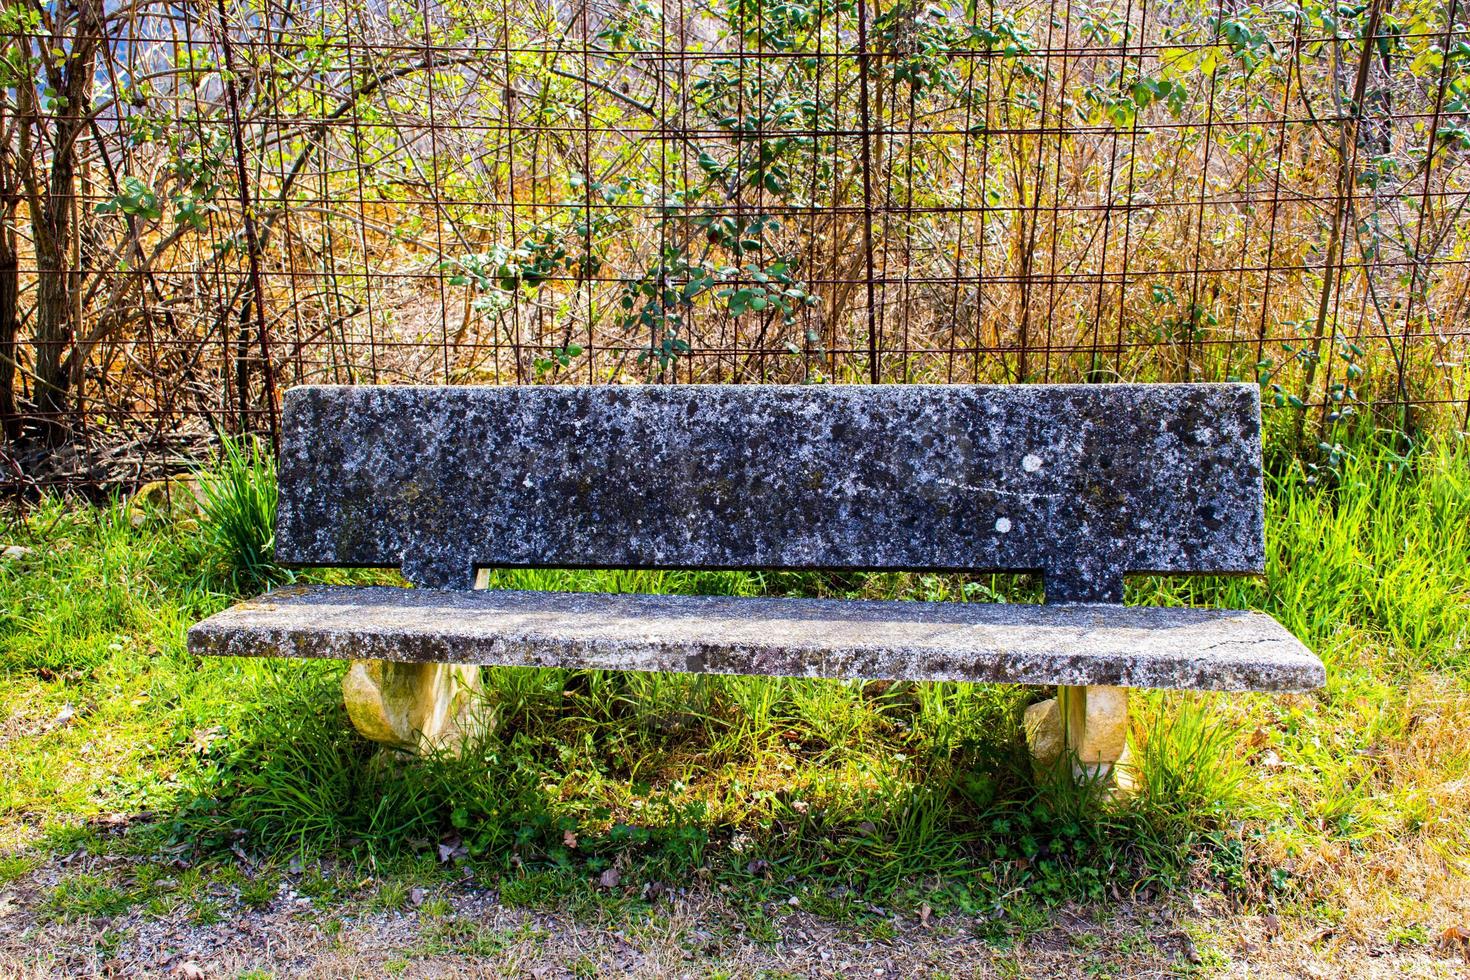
column 1079, row 482
column 1097, row 722
column 1061, row 644
column 1092, row 724
column 416, row 707
column 1042, row 723
column 1095, row 727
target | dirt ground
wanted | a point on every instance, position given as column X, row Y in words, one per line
column 463, row 930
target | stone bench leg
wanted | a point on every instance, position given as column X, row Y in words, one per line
column 1090, row 723
column 416, row 707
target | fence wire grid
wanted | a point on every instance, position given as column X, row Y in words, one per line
column 202, row 204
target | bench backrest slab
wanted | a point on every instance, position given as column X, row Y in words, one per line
column 1078, row 482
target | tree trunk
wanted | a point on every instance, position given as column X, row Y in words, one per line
column 57, row 278
column 9, row 328
column 54, row 333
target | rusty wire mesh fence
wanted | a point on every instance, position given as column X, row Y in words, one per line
column 203, row 204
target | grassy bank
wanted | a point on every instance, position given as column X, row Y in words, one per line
column 599, row 791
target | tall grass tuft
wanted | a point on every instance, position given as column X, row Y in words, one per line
column 239, row 510
column 1189, row 770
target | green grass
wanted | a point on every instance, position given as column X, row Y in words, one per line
column 239, row 508
column 85, row 896
column 838, row 794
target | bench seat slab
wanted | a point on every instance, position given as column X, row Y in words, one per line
column 1128, row 646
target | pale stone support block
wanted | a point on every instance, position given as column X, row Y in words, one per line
column 1090, row 723
column 416, row 707
column 1043, row 726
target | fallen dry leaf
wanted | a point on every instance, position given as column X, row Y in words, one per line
column 201, row 738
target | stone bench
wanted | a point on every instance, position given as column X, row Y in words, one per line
column 1080, row 484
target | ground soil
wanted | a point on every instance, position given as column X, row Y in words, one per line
column 464, row 930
